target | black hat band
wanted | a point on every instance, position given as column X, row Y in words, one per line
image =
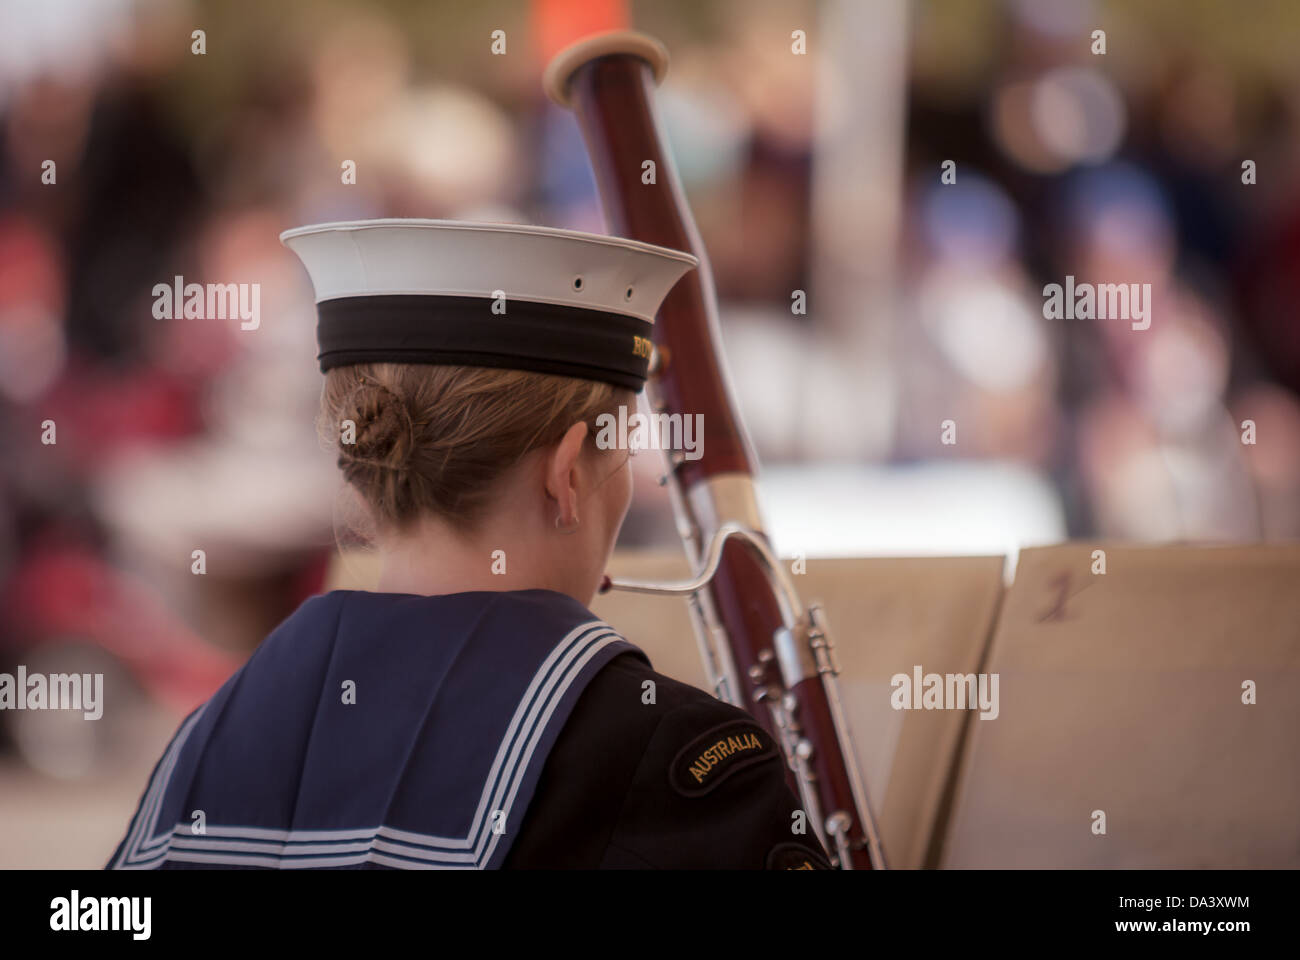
column 569, row 341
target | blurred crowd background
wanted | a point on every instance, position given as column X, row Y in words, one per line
column 819, row 173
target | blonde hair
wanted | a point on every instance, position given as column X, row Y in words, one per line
column 434, row 440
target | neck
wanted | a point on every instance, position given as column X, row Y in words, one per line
column 433, row 558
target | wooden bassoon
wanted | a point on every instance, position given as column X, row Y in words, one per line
column 762, row 648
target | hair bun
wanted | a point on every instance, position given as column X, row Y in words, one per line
column 433, row 440
column 385, row 432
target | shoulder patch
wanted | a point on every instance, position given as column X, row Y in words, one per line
column 715, row 755
column 795, row 856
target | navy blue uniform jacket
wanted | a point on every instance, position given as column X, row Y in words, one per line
column 472, row 730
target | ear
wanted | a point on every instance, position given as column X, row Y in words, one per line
column 562, row 471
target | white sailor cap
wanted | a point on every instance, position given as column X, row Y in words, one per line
column 486, row 294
